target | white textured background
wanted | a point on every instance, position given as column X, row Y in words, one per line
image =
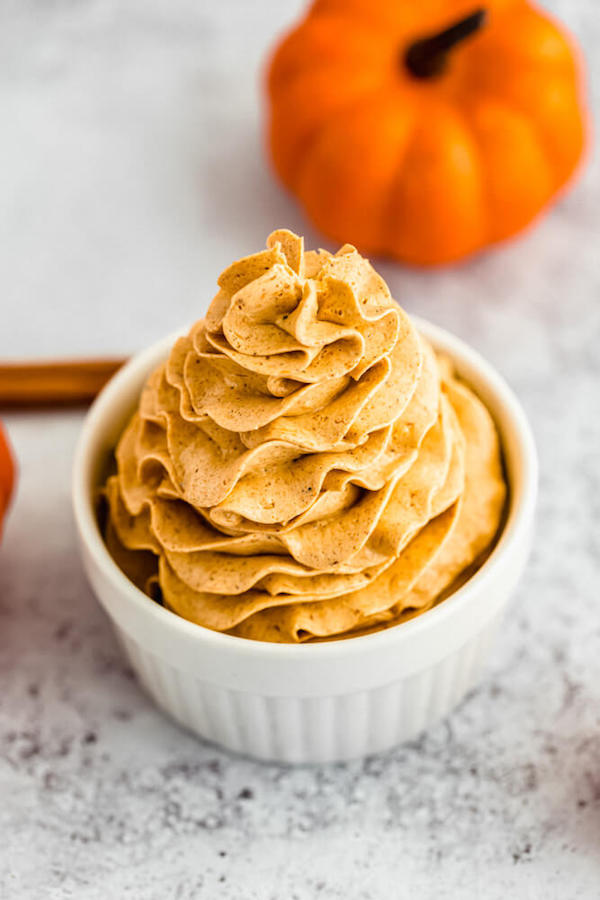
column 131, row 172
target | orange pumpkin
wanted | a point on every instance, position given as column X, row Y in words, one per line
column 7, row 475
column 425, row 130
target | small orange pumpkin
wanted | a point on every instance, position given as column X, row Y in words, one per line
column 7, row 475
column 425, row 130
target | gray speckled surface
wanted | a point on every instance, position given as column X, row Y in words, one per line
column 130, row 172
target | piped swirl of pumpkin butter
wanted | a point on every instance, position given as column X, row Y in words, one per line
column 303, row 466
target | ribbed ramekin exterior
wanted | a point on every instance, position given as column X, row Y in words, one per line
column 311, row 729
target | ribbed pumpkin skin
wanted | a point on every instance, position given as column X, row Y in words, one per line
column 7, row 475
column 426, row 171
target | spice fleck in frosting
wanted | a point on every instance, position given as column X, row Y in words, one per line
column 303, row 466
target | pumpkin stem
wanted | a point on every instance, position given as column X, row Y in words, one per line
column 428, row 57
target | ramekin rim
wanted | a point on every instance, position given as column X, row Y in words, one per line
column 515, row 527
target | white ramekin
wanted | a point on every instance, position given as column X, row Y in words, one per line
column 310, row 702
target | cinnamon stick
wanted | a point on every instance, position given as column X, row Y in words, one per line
column 54, row 383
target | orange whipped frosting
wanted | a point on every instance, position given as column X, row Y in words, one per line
column 303, row 466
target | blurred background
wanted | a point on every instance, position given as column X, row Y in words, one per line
column 132, row 170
